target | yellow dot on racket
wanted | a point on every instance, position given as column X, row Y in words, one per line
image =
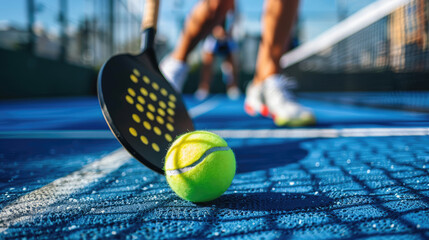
column 169, row 127
column 129, row 99
column 136, row 72
column 139, row 107
column 160, row 120
column 155, row 147
column 153, row 96
column 155, row 85
column 150, row 116
column 151, row 107
column 143, row 91
column 147, row 125
column 162, row 104
column 146, row 80
column 161, row 112
column 144, row 140
column 157, row 131
column 134, row 78
column 136, row 118
column 170, row 119
column 133, row 132
column 141, row 100
column 171, row 104
column 170, row 111
column 164, row 92
column 172, row 97
column 132, row 92
column 168, row 137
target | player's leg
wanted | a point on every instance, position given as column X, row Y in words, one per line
column 269, row 93
column 206, row 75
column 231, row 70
column 203, row 18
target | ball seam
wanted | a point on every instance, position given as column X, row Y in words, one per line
column 190, row 167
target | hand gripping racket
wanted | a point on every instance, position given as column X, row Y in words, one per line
column 141, row 108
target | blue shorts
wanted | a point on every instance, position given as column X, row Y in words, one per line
column 219, row 47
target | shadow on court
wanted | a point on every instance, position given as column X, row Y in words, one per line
column 266, row 156
column 269, row 201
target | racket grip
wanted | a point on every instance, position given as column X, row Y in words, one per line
column 150, row 14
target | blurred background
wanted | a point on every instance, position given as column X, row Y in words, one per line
column 55, row 47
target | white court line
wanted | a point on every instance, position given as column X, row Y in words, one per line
column 204, row 107
column 37, row 201
column 57, row 134
column 234, row 133
column 322, row 133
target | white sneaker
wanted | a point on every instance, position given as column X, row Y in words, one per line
column 201, row 94
column 276, row 101
column 253, row 104
column 175, row 72
column 233, row 93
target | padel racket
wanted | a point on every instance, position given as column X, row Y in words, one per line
column 141, row 108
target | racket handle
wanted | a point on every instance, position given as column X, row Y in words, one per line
column 150, row 14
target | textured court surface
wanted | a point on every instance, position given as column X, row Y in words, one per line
column 360, row 173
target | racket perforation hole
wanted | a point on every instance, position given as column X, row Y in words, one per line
column 131, row 92
column 161, row 112
column 139, row 107
column 160, row 120
column 155, row 147
column 170, row 119
column 134, row 78
column 153, row 96
column 157, row 131
column 129, row 99
column 151, row 107
column 141, row 100
column 172, row 97
column 150, row 116
column 144, row 140
column 146, row 80
column 136, row 118
column 164, row 92
column 147, row 125
column 171, row 104
column 133, row 131
column 170, row 127
column 155, row 86
column 136, row 72
column 162, row 104
column 170, row 111
column 168, row 137
column 143, row 91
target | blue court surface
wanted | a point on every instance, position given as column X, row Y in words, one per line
column 360, row 173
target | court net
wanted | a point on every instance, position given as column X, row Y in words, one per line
column 383, row 47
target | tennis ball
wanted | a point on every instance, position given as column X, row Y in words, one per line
column 199, row 166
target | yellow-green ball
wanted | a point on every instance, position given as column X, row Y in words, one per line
column 199, row 166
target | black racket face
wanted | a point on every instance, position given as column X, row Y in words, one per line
column 141, row 108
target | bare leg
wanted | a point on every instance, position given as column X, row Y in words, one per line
column 278, row 20
column 207, row 70
column 230, row 59
column 203, row 18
